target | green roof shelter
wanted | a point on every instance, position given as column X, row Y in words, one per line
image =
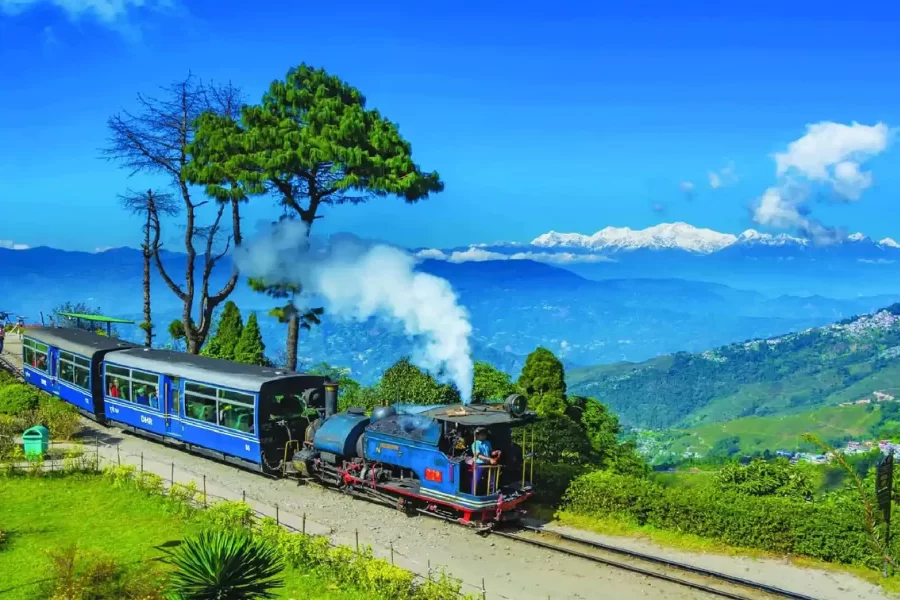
column 79, row 317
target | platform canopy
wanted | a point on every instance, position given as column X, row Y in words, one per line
column 97, row 319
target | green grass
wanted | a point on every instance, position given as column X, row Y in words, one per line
column 43, row 513
column 779, row 432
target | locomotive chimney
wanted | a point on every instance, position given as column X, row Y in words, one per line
column 331, row 398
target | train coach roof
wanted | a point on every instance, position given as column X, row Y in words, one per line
column 78, row 341
column 204, row 369
column 476, row 415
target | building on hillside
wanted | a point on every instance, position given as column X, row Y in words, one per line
column 882, row 397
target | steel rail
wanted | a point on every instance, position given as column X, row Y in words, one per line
column 669, row 564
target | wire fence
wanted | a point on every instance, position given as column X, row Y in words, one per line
column 104, row 455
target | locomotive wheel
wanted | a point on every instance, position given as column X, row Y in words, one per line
column 406, row 507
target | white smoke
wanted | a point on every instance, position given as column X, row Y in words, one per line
column 357, row 281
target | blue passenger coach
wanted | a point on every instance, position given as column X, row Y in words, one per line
column 230, row 411
column 67, row 363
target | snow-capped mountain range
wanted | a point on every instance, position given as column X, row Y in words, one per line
column 606, row 243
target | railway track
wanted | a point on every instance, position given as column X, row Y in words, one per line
column 710, row 582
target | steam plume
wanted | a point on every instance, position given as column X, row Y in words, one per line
column 357, row 281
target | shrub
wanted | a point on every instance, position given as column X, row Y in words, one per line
column 226, row 563
column 18, row 398
column 10, row 427
column 74, row 575
column 832, row 530
column 59, row 417
column 766, row 478
column 227, row 515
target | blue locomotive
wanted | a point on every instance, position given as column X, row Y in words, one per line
column 422, row 458
column 417, row 458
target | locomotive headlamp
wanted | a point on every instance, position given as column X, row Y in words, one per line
column 516, row 405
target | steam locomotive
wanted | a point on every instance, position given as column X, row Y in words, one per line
column 417, row 458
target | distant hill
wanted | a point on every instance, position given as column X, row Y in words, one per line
column 823, row 366
column 515, row 306
column 750, row 435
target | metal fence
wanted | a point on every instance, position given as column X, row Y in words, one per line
column 103, row 455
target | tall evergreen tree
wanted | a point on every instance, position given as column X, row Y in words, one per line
column 228, row 333
column 543, row 380
column 250, row 348
column 312, row 142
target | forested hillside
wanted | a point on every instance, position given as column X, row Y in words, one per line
column 817, row 367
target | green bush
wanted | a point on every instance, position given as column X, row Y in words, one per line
column 74, row 574
column 225, row 563
column 18, row 398
column 61, row 418
column 552, row 480
column 833, row 530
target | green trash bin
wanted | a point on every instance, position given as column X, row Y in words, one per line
column 36, row 441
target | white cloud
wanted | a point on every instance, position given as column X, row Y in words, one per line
column 11, row 245
column 779, row 207
column 476, row 254
column 100, row 249
column 830, row 154
column 833, row 153
column 115, row 14
column 432, row 253
column 686, row 186
column 723, row 177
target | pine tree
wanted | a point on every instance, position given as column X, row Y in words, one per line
column 543, row 380
column 228, row 333
column 250, row 348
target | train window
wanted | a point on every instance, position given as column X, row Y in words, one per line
column 287, row 406
column 75, row 370
column 236, row 397
column 203, row 390
column 199, row 407
column 34, row 354
column 236, row 416
column 146, row 388
column 118, row 383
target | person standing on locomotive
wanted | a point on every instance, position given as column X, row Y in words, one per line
column 483, row 453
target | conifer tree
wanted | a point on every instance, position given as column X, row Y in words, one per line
column 228, row 333
column 312, row 142
column 250, row 348
column 543, row 381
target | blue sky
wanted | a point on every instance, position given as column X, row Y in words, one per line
column 538, row 116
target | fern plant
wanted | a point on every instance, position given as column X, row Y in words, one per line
column 225, row 565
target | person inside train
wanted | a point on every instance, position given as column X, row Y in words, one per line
column 114, row 389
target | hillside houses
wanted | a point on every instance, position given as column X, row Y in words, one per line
column 876, row 396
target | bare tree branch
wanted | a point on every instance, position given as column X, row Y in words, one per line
column 155, row 139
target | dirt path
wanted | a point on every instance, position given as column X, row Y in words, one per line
column 12, row 350
column 818, row 583
column 507, row 569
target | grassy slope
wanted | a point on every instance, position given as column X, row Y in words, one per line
column 52, row 513
column 778, row 432
column 805, row 371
